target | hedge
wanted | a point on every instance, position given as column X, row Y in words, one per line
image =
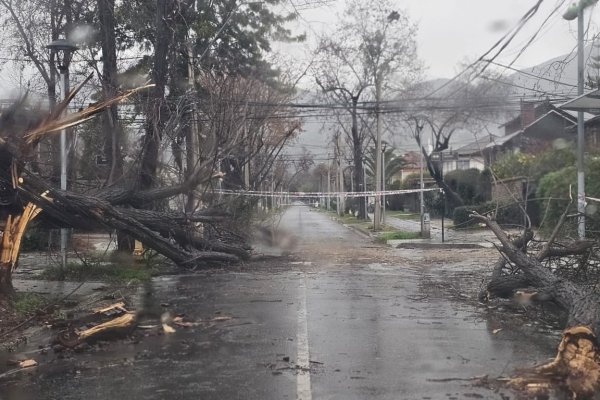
column 508, row 214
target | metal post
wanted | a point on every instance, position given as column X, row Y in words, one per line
column 443, row 214
column 63, row 167
column 580, row 129
column 220, row 179
column 377, row 216
column 366, row 199
column 443, row 193
column 383, row 185
column 328, row 186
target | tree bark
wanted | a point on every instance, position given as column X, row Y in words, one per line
column 157, row 113
column 357, row 151
column 110, row 125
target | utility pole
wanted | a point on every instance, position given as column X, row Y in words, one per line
column 576, row 12
column 383, row 184
column 377, row 216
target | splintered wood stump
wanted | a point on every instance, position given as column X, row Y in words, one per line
column 14, row 228
column 110, row 321
column 119, row 325
column 576, row 366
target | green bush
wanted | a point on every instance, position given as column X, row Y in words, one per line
column 35, row 239
column 472, row 185
column 96, row 269
column 554, row 189
column 412, row 181
column 552, row 160
column 507, row 214
column 513, row 164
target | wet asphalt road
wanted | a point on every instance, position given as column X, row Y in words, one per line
column 341, row 319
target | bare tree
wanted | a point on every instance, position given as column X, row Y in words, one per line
column 371, row 53
column 439, row 117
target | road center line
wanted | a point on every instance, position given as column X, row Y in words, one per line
column 303, row 389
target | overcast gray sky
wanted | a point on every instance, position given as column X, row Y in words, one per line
column 452, row 31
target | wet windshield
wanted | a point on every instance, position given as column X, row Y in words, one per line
column 279, row 199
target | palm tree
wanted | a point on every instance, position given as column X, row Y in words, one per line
column 393, row 163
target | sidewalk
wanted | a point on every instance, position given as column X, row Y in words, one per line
column 480, row 236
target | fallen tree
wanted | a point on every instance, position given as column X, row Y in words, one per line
column 23, row 195
column 522, row 272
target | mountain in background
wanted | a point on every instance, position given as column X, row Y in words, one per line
column 555, row 79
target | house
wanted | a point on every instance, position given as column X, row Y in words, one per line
column 589, row 104
column 471, row 155
column 412, row 165
column 534, row 130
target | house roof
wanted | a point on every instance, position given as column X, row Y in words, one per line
column 539, row 126
column 588, row 102
column 545, row 126
column 539, row 109
column 412, row 158
column 586, row 116
column 502, row 140
column 474, row 147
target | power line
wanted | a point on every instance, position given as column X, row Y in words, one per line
column 531, row 75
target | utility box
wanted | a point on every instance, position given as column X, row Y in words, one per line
column 425, row 226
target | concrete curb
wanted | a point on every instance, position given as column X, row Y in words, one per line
column 429, row 245
column 358, row 230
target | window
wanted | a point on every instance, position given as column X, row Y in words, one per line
column 462, row 164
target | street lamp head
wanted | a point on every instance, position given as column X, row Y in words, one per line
column 574, row 9
column 66, row 47
column 571, row 12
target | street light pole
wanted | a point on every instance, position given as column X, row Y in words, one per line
column 576, row 12
column 63, row 165
column 67, row 48
column 580, row 130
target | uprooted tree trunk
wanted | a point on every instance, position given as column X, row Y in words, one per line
column 577, row 363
